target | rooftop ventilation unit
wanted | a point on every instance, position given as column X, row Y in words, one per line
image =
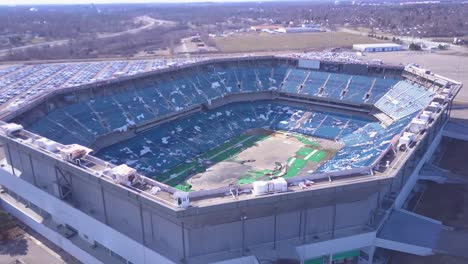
column 181, row 199
column 406, row 140
column 265, row 187
column 11, row 129
column 443, row 96
column 125, row 175
column 426, row 116
column 418, row 125
column 74, row 153
column 46, row 144
column 434, row 107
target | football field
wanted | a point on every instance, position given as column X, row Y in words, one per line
column 256, row 155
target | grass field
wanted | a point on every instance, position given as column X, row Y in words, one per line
column 298, row 41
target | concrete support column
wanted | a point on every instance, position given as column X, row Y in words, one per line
column 334, row 221
column 10, row 160
column 106, row 220
column 304, row 238
column 371, row 255
column 274, row 228
column 32, row 170
column 243, row 218
column 183, row 242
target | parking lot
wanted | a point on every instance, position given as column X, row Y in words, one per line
column 18, row 83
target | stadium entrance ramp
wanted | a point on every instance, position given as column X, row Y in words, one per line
column 411, row 233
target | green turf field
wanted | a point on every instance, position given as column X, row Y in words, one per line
column 309, row 155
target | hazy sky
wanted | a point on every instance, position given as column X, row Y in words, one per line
column 39, row 2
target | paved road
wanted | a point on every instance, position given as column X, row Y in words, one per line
column 147, row 21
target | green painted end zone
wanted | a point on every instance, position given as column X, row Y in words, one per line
column 318, row 156
column 304, row 151
column 297, row 165
column 253, row 176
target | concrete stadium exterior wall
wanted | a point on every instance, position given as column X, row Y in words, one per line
column 297, row 224
column 402, row 247
column 413, row 177
column 192, row 232
column 51, row 235
column 336, row 245
column 64, row 213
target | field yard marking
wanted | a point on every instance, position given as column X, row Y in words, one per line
column 291, row 161
column 311, row 154
column 317, row 157
column 295, row 168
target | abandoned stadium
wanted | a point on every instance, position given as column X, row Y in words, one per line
column 242, row 160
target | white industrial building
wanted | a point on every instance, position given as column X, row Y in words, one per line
column 378, row 47
column 301, row 29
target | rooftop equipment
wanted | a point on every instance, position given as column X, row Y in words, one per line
column 434, row 107
column 11, row 129
column 47, row 144
column 406, row 140
column 444, row 95
column 426, row 116
column 74, row 153
column 181, row 199
column 125, row 175
column 265, row 187
column 418, row 125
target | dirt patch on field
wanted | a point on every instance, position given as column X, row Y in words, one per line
column 273, row 149
column 262, row 154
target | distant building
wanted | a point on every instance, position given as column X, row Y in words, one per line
column 302, row 29
column 281, row 29
column 259, row 28
column 378, row 47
